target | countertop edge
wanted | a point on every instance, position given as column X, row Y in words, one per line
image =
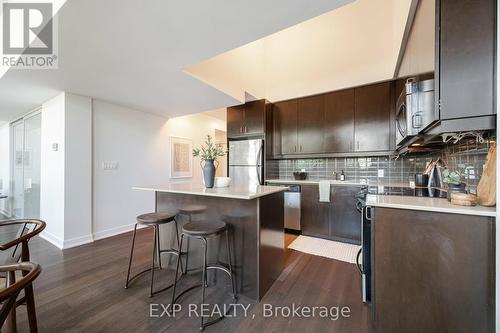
column 450, row 210
column 208, row 194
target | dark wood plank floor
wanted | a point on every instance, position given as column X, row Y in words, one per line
column 81, row 289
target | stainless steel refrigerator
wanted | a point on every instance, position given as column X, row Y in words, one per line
column 246, row 165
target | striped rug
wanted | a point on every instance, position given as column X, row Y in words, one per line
column 326, row 248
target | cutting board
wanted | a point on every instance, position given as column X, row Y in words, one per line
column 486, row 190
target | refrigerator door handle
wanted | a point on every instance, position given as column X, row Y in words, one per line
column 258, row 164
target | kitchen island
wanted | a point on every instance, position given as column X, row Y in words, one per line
column 254, row 215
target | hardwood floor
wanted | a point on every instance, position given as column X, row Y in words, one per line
column 81, row 289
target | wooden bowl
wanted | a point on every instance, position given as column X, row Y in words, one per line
column 463, row 199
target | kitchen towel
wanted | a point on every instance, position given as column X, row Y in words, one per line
column 324, row 191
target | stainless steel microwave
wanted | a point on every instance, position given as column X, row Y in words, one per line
column 414, row 109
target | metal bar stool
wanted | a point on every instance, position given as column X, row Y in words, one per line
column 190, row 210
column 204, row 230
column 154, row 220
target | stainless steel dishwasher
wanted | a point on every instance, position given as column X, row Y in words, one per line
column 292, row 205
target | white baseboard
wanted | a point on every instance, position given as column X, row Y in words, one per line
column 53, row 239
column 66, row 244
column 115, row 231
column 77, row 241
column 4, row 212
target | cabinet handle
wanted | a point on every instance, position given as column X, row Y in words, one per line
column 357, row 144
column 294, row 148
column 246, row 130
column 300, row 147
column 241, row 129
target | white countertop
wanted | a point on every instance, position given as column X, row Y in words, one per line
column 439, row 205
column 232, row 192
column 340, row 182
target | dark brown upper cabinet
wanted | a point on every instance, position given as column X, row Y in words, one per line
column 339, row 121
column 310, row 124
column 254, row 117
column 350, row 121
column 246, row 119
column 372, row 118
column 235, row 120
column 465, row 58
column 285, row 118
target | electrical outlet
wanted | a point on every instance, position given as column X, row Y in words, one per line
column 380, row 173
column 110, row 165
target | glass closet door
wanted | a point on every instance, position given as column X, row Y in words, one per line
column 26, row 144
column 31, row 163
column 17, row 189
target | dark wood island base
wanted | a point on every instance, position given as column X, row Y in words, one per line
column 256, row 230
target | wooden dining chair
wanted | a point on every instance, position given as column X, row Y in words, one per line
column 17, row 250
column 18, row 247
column 9, row 295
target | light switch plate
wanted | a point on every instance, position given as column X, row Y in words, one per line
column 380, row 173
column 110, row 165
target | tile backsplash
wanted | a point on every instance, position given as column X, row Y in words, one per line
column 468, row 157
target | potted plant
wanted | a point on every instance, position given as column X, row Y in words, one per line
column 454, row 181
column 209, row 154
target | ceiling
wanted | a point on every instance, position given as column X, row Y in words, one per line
column 132, row 52
column 217, row 113
column 356, row 44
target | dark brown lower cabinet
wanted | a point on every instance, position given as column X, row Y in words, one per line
column 314, row 215
column 345, row 219
column 432, row 272
column 337, row 219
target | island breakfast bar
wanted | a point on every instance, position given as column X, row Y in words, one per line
column 254, row 215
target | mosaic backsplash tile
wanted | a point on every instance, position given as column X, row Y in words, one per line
column 468, row 157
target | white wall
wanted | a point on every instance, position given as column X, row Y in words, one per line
column 78, row 170
column 419, row 56
column 139, row 143
column 4, row 166
column 52, row 170
column 66, row 174
column 356, row 44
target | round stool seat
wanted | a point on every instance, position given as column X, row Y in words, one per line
column 192, row 209
column 156, row 218
column 203, row 228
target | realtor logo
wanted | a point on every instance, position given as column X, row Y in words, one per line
column 28, row 35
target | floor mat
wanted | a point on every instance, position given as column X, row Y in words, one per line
column 326, row 248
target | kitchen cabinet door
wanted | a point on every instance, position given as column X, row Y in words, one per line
column 286, row 114
column 310, row 124
column 339, row 121
column 466, row 58
column 313, row 214
column 235, row 120
column 254, row 117
column 434, row 272
column 345, row 219
column 372, row 117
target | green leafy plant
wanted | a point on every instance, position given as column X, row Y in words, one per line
column 453, row 177
column 210, row 151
